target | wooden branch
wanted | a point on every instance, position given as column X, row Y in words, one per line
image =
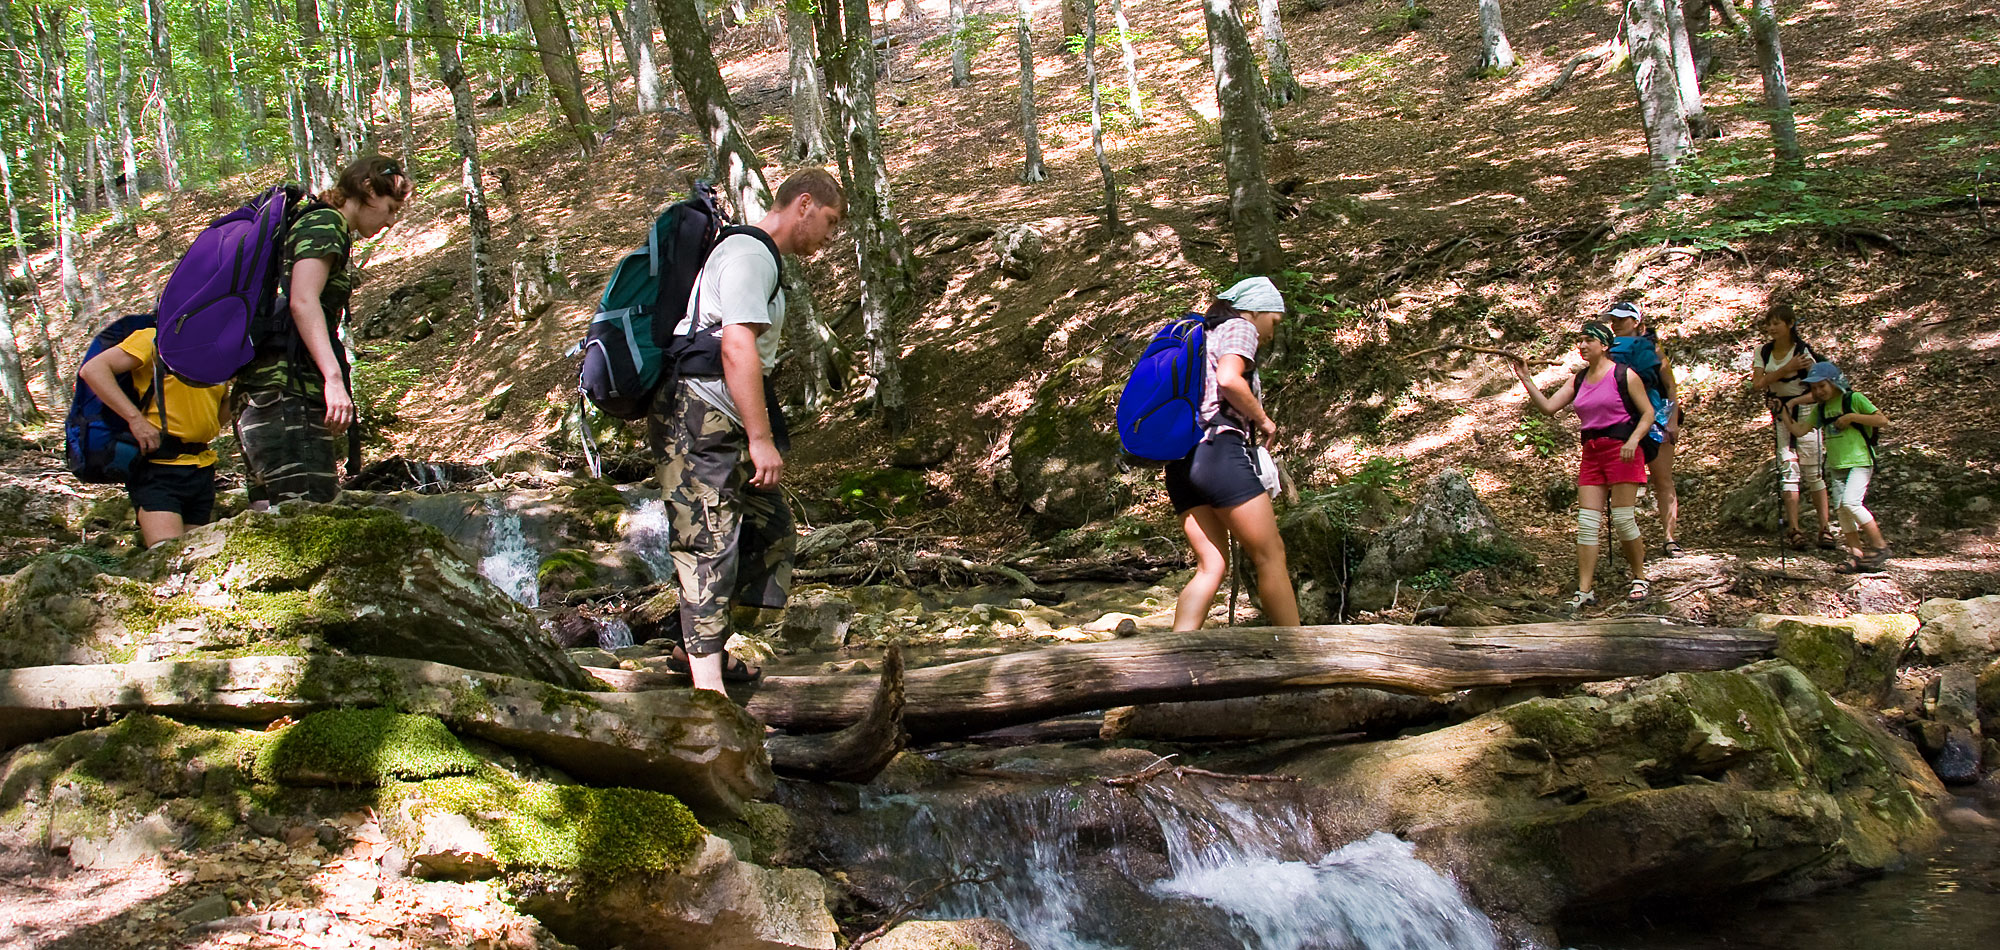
column 1592, row 56
column 974, row 696
column 1462, row 346
column 857, row 753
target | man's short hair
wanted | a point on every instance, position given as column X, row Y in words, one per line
column 817, row 182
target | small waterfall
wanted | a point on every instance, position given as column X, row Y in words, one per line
column 511, row 563
column 1071, row 870
column 648, row 532
column 613, row 633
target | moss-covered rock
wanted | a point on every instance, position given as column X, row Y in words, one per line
column 1447, row 532
column 1853, row 657
column 598, row 835
column 1064, row 451
column 363, row 747
column 881, row 493
column 62, row 608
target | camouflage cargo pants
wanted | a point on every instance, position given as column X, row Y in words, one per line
column 287, row 451
column 732, row 544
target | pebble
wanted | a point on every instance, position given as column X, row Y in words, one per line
column 212, row 907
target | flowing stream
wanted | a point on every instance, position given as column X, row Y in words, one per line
column 647, row 534
column 511, row 563
column 1195, row 873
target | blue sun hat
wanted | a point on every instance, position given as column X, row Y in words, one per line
column 1825, row 372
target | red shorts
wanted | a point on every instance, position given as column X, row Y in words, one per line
column 1602, row 466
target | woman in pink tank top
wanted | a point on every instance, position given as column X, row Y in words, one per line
column 1611, row 403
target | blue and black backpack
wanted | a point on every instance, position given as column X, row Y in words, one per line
column 624, row 349
column 1159, row 413
column 99, row 446
column 1640, row 355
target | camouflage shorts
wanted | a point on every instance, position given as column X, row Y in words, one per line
column 287, row 451
column 732, row 544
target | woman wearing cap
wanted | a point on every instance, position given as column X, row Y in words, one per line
column 1778, row 370
column 1637, row 345
column 1848, row 423
column 1216, row 489
column 1614, row 424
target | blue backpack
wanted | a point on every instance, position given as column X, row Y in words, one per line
column 99, row 446
column 1159, row 413
column 624, row 349
column 1638, row 354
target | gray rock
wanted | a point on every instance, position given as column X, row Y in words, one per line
column 1952, row 702
column 1448, row 527
column 1019, row 248
column 1755, row 504
column 818, row 621
column 124, row 843
column 1959, row 630
column 1853, row 657
column 977, row 933
column 448, row 847
column 212, row 907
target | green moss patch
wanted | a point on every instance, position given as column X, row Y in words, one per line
column 877, row 494
column 132, row 767
column 364, row 747
column 568, row 568
column 290, row 553
column 598, row 833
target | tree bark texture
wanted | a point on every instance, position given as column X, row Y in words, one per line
column 1667, row 138
column 1496, row 55
column 974, row 696
column 558, row 58
column 406, row 17
column 1696, row 15
column 95, row 97
column 809, row 136
column 1097, row 114
column 165, row 92
column 732, row 159
column 1031, row 167
column 1251, row 214
column 128, row 144
column 610, row 78
column 857, row 753
column 1282, row 87
column 323, row 160
column 812, row 343
column 1131, row 60
column 13, row 378
column 961, row 46
column 52, row 377
column 1777, row 92
column 1687, row 77
column 486, row 293
column 645, row 58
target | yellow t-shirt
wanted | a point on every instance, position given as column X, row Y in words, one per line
column 194, row 413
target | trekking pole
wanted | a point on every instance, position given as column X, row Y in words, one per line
column 1235, row 576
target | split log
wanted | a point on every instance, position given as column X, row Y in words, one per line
column 857, row 753
column 974, row 696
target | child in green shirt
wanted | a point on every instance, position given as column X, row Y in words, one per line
column 1849, row 421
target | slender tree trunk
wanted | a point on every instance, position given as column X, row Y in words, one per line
column 645, row 62
column 56, row 121
column 80, row 310
column 406, row 89
column 1695, row 14
column 558, row 59
column 695, row 72
column 1686, row 77
column 95, row 96
column 1282, row 86
column 610, row 78
column 1727, row 10
column 1097, row 114
column 1251, row 214
column 961, row 47
column 13, row 380
column 810, row 339
column 486, row 293
column 1777, row 93
column 1667, row 137
column 316, row 111
column 1031, row 168
column 164, row 85
column 51, row 371
column 1131, row 59
column 1496, row 55
column 128, row 144
column 881, row 249
column 809, row 138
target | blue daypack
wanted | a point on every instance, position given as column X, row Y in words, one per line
column 99, row 446
column 1159, row 413
column 1638, row 354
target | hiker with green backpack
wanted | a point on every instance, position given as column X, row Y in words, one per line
column 1849, row 424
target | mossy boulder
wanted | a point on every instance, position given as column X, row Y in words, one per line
column 1447, row 531
column 1326, row 534
column 363, row 747
column 1680, row 786
column 1853, row 657
column 325, row 580
column 1064, row 452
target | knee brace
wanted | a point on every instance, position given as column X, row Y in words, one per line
column 1588, row 520
column 1625, row 524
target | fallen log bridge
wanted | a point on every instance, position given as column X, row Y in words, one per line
column 974, row 696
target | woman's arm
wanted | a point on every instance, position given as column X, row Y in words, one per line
column 1636, row 390
column 1548, row 405
column 1232, row 382
column 1795, row 422
column 309, row 277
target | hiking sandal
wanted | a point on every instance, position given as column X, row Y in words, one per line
column 1854, row 565
column 1672, row 548
column 734, row 670
column 1581, row 600
column 1877, row 559
column 1640, row 590
column 1795, row 539
column 1827, row 541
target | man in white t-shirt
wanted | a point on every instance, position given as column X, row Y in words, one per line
column 718, row 450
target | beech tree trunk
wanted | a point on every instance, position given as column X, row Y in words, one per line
column 732, row 159
column 128, row 144
column 1097, row 114
column 323, row 159
column 809, row 137
column 558, row 59
column 1777, row 93
column 51, row 371
column 961, row 46
column 974, row 696
column 645, row 61
column 1131, row 59
column 95, row 97
column 1251, row 214
column 810, row 339
column 1667, row 137
column 13, row 379
column 486, row 292
column 406, row 90
column 1687, row 78
column 1282, row 87
column 164, row 85
column 1695, row 14
column 882, row 250
column 1496, row 55
column 1031, row 168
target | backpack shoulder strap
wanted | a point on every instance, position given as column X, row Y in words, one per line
column 770, row 245
column 1764, row 352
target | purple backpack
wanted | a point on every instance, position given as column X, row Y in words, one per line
column 220, row 299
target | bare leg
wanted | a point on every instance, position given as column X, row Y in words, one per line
column 1210, row 541
column 1591, row 498
column 1792, row 509
column 707, row 670
column 1662, row 472
column 158, row 526
column 1624, row 496
column 1255, row 524
column 1819, row 501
